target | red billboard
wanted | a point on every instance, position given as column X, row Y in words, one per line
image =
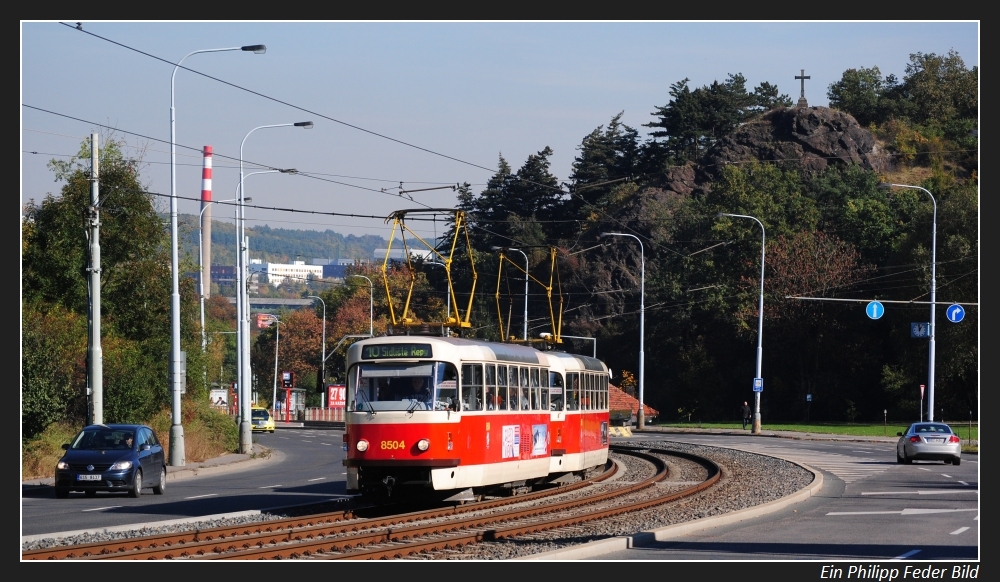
column 336, row 396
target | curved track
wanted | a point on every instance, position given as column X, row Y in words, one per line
column 346, row 535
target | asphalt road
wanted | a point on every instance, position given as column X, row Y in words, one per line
column 304, row 466
column 870, row 508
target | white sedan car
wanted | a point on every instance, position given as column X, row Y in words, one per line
column 931, row 441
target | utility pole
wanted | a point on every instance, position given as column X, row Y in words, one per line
column 95, row 357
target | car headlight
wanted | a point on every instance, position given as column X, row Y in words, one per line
column 362, row 445
column 62, row 465
column 121, row 465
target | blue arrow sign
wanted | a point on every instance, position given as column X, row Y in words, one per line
column 874, row 310
column 956, row 313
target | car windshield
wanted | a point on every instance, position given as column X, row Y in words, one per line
column 935, row 428
column 103, row 438
column 259, row 415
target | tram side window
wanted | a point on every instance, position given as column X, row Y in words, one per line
column 502, row 388
column 472, row 386
column 535, row 394
column 525, row 388
column 604, row 391
column 491, row 387
column 556, row 391
column 588, row 390
column 572, row 391
column 544, row 377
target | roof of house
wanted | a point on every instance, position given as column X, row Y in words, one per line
column 619, row 400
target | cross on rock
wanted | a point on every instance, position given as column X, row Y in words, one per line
column 802, row 92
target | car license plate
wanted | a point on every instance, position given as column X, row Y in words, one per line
column 935, row 440
column 88, row 477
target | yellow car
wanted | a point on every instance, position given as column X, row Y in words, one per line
column 261, row 420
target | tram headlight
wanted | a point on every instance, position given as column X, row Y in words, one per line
column 362, row 445
column 423, row 444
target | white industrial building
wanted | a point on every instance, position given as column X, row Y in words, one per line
column 278, row 273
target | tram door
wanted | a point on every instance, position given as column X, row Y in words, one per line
column 557, row 413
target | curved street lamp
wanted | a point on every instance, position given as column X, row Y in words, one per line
column 760, row 325
column 371, row 305
column 641, row 415
column 176, row 429
column 322, row 374
column 930, row 347
column 243, row 300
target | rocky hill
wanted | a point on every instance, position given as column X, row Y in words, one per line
column 813, row 137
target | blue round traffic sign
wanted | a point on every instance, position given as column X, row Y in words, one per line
column 955, row 313
column 874, row 310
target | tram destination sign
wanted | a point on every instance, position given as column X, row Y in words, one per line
column 382, row 351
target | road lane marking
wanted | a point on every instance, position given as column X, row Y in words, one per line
column 102, row 508
column 326, row 444
column 959, row 530
column 317, row 479
column 935, row 492
column 903, row 512
column 925, row 511
column 907, row 555
column 923, row 468
column 270, row 486
column 948, row 476
column 202, row 496
column 963, row 482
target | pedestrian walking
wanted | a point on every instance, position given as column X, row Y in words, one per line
column 745, row 413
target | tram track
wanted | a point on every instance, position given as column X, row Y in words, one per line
column 344, row 535
column 189, row 543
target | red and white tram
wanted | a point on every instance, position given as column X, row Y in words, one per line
column 464, row 417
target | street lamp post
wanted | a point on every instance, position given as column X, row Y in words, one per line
column 525, row 333
column 322, row 374
column 176, row 429
column 760, row 323
column 274, row 390
column 246, row 436
column 933, row 328
column 641, row 416
column 593, row 339
column 201, row 279
column 371, row 305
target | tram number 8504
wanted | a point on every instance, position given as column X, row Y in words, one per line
column 393, row 445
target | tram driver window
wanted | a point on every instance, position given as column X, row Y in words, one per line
column 446, row 387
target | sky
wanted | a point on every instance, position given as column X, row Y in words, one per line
column 426, row 104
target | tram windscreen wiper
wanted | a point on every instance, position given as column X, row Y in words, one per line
column 361, row 393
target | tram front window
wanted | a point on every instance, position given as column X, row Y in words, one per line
column 409, row 387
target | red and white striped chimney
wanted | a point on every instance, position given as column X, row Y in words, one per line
column 206, row 221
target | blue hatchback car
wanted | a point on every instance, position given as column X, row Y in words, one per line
column 113, row 457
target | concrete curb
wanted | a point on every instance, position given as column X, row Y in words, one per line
column 607, row 546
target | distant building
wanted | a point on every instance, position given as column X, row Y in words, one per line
column 278, row 273
column 398, row 254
